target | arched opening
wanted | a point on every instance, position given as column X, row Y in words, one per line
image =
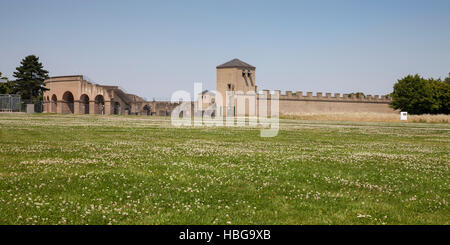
column 68, row 103
column 147, row 110
column 116, row 108
column 99, row 104
column 54, row 104
column 84, row 104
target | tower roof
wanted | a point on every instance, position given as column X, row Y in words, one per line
column 236, row 63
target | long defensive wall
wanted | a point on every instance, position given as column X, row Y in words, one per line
column 295, row 103
column 237, row 75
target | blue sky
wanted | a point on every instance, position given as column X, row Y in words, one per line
column 153, row 48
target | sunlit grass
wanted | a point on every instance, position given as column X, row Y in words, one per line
column 64, row 169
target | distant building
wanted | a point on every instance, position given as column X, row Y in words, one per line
column 236, row 75
column 76, row 95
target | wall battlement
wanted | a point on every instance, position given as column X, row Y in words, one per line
column 336, row 97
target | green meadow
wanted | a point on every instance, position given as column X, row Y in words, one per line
column 66, row 169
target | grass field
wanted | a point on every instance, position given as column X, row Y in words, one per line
column 64, row 169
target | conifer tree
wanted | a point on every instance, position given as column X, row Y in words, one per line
column 30, row 78
column 6, row 87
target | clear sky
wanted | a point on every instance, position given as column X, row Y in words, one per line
column 153, row 48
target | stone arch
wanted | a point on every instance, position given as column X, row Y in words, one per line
column 99, row 104
column 147, row 110
column 68, row 102
column 54, row 104
column 116, row 108
column 84, row 104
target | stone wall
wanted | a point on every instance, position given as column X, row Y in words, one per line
column 76, row 95
column 299, row 102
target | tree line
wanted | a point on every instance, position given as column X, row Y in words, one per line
column 417, row 95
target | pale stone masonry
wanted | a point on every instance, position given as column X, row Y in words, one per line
column 74, row 94
column 237, row 75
